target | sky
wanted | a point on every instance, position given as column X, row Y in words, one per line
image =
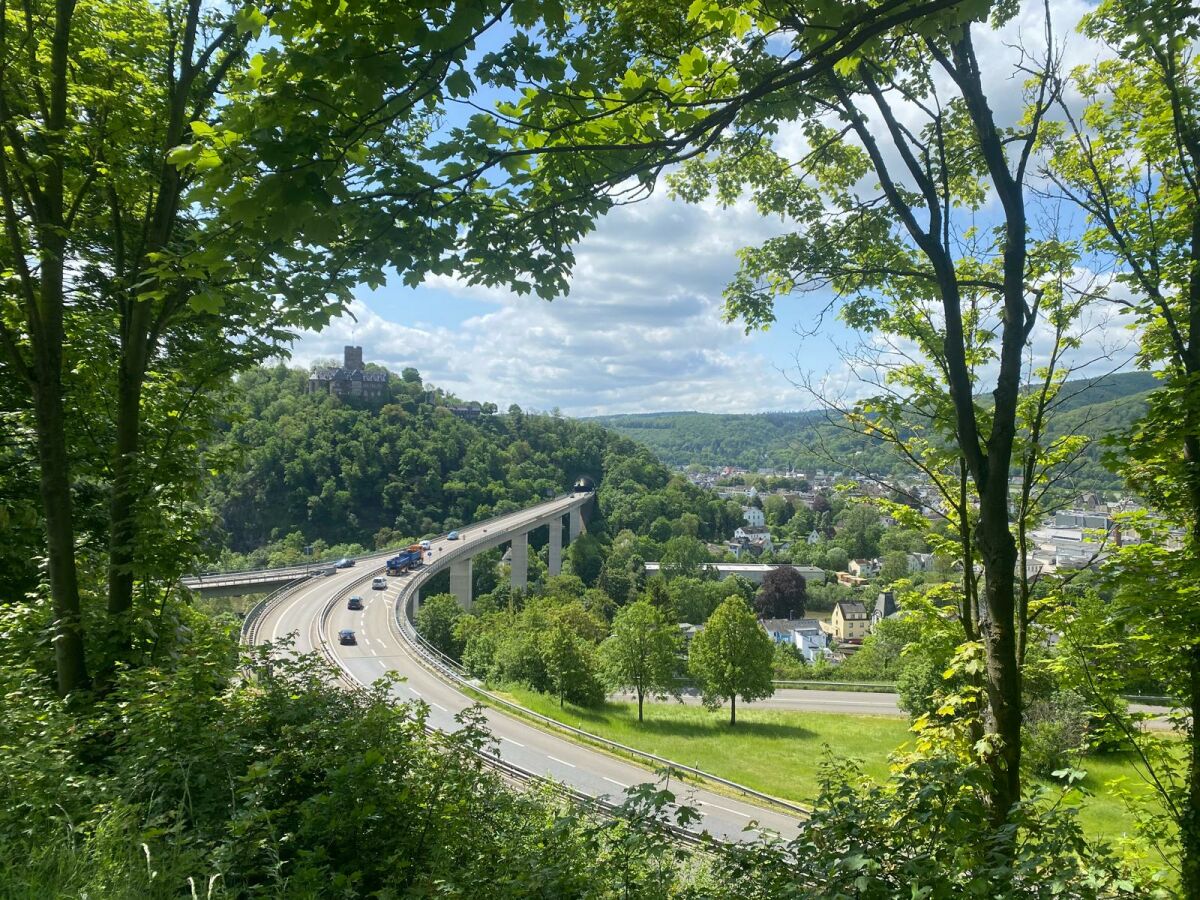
column 642, row 328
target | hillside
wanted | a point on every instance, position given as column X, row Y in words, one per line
column 808, row 440
column 347, row 471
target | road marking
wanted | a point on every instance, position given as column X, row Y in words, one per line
column 439, row 706
column 511, row 741
column 414, row 690
column 726, row 808
column 563, row 761
column 614, row 781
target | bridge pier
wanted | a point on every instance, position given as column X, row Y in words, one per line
column 520, row 561
column 460, row 582
column 576, row 519
column 556, row 541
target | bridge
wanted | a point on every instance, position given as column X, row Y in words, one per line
column 253, row 581
column 315, row 610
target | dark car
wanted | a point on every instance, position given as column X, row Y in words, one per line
column 346, row 636
column 345, row 563
column 354, row 602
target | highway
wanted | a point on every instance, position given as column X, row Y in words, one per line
column 381, row 649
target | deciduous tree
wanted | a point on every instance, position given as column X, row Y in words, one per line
column 732, row 657
column 641, row 653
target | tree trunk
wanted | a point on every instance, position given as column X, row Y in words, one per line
column 69, row 659
column 123, row 498
column 640, row 698
column 733, row 710
column 1189, row 825
column 999, row 554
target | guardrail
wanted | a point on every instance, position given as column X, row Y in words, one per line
column 253, row 620
column 452, row 670
column 491, row 760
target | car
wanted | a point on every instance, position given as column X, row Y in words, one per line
column 452, row 536
column 379, row 583
column 426, row 545
column 344, row 563
column 355, row 602
column 346, row 636
column 329, row 570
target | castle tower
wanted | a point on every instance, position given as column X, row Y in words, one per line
column 353, row 358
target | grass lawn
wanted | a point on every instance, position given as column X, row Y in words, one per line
column 778, row 751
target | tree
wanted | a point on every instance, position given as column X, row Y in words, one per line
column 683, row 555
column 731, row 657
column 895, row 567
column 640, row 654
column 571, row 666
column 174, row 204
column 586, row 558
column 436, row 621
column 1131, row 162
column 783, row 594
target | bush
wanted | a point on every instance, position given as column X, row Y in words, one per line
column 1055, row 733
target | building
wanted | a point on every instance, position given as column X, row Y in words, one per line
column 863, row 568
column 811, row 640
column 849, row 621
column 920, row 562
column 754, row 516
column 885, row 607
column 780, row 630
column 755, row 534
column 814, row 537
column 350, row 379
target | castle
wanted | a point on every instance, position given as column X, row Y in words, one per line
column 350, row 379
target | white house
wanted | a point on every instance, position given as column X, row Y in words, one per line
column 814, row 537
column 863, row 568
column 754, row 534
column 754, row 516
column 920, row 562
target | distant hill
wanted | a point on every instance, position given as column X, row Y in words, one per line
column 808, row 440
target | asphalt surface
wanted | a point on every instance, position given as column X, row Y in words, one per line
column 380, row 650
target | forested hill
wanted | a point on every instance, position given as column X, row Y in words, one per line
column 806, row 440
column 339, row 471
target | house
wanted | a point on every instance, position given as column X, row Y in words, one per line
column 810, row 639
column 814, row 537
column 781, row 630
column 755, row 534
column 845, row 578
column 885, row 607
column 863, row 568
column 920, row 562
column 849, row 620
column 754, row 516
column 687, row 631
column 350, row 379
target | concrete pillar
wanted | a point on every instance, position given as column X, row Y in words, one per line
column 460, row 582
column 520, row 561
column 555, row 557
column 576, row 515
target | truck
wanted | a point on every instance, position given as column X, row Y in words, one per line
column 405, row 560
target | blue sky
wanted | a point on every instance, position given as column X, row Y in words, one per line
column 641, row 330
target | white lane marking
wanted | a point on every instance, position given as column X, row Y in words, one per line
column 414, row 690
column 511, row 741
column 614, row 781
column 563, row 761
column 439, row 706
column 726, row 808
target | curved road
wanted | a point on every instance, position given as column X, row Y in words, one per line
column 381, row 650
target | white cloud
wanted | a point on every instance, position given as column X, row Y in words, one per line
column 640, row 330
